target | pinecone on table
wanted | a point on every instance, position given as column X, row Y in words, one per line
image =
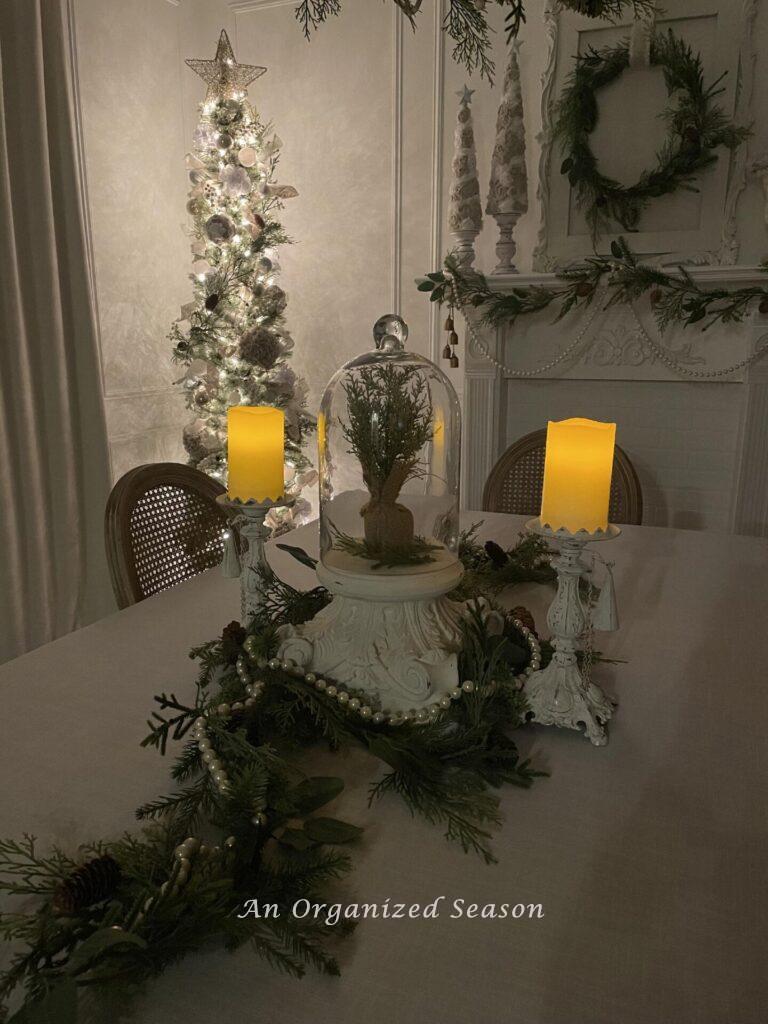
column 496, row 553
column 523, row 615
column 93, row 882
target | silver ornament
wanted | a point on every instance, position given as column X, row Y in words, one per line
column 235, row 181
column 219, row 228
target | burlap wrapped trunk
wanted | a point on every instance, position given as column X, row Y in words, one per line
column 386, row 523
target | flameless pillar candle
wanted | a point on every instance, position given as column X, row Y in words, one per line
column 255, row 447
column 577, row 475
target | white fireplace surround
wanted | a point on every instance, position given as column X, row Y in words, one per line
column 700, row 448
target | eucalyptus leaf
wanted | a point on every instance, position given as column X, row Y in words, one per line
column 58, row 1006
column 330, row 830
column 296, row 838
column 299, row 554
column 313, row 793
column 100, row 942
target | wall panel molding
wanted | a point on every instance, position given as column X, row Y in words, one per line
column 438, row 121
column 247, row 6
column 397, row 159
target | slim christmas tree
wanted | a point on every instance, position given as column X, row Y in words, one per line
column 232, row 338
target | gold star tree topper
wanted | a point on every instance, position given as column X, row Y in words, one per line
column 225, row 77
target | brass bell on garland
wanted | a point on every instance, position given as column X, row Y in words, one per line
column 449, row 351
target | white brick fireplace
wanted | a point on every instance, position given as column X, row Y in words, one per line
column 700, row 447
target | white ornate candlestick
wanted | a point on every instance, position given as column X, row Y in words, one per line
column 465, row 213
column 249, row 518
column 559, row 694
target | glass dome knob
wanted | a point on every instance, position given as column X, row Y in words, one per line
column 390, row 333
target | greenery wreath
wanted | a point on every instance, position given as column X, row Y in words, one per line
column 697, row 127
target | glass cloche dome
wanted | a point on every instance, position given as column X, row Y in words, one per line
column 389, row 439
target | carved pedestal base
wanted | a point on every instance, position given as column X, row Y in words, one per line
column 464, row 249
column 506, row 247
column 557, row 696
column 393, row 637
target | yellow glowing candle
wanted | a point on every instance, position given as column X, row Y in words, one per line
column 438, row 450
column 255, row 446
column 577, row 475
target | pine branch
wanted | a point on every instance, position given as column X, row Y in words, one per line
column 310, row 14
column 467, row 26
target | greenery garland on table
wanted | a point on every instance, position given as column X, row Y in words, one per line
column 126, row 909
column 696, row 129
column 675, row 298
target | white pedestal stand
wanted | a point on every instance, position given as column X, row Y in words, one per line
column 464, row 250
column 394, row 636
column 249, row 518
column 558, row 694
column 506, row 247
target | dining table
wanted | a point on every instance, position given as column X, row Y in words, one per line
column 642, row 865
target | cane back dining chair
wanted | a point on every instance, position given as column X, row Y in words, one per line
column 162, row 526
column 515, row 482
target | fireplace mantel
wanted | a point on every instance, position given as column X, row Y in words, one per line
column 700, row 446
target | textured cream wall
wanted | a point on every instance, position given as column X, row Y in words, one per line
column 137, row 103
column 366, row 112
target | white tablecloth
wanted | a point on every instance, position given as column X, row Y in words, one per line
column 648, row 855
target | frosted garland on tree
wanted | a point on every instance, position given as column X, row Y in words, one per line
column 508, row 188
column 465, row 214
column 232, row 337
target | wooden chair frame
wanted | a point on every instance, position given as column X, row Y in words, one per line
column 122, row 501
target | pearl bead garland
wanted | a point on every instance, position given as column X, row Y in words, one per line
column 215, row 767
column 535, row 663
column 419, row 716
column 662, row 354
column 183, row 856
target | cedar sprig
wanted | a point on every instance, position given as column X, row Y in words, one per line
column 389, row 420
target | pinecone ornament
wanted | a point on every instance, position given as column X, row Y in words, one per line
column 93, row 882
column 497, row 554
column 523, row 615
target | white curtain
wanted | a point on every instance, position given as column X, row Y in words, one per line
column 54, row 474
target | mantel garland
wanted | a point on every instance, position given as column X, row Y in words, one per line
column 696, row 129
column 124, row 910
column 620, row 276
